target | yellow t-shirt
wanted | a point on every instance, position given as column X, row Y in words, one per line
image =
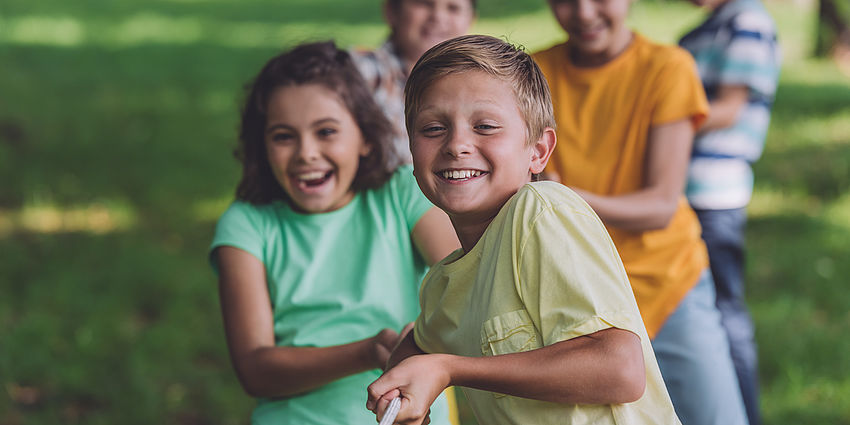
column 544, row 271
column 604, row 115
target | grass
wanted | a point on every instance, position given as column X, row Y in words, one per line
column 117, row 120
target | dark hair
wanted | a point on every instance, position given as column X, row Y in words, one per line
column 313, row 63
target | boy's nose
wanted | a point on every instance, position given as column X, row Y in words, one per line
column 458, row 144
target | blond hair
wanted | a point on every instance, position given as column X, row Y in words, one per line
column 490, row 55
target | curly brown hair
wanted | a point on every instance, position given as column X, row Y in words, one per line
column 319, row 63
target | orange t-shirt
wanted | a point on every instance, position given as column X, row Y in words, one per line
column 604, row 115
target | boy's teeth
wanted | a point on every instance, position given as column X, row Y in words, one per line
column 312, row 175
column 461, row 174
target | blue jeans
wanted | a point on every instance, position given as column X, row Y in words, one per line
column 723, row 233
column 693, row 354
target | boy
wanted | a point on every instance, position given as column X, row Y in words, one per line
column 738, row 60
column 415, row 26
column 626, row 110
column 533, row 316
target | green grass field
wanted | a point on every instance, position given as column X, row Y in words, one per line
column 117, row 122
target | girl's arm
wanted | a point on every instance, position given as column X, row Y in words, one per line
column 434, row 236
column 264, row 369
column 605, row 367
column 652, row 207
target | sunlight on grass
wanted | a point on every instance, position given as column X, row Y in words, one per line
column 46, row 30
column 768, row 202
column 97, row 218
column 838, row 212
column 825, row 130
column 153, row 28
column 211, row 209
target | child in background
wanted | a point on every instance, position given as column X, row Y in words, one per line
column 738, row 60
column 626, row 110
column 320, row 257
column 415, row 26
column 534, row 316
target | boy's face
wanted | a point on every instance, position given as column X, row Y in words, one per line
column 596, row 27
column 469, row 145
column 418, row 25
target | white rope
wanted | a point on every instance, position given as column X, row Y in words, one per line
column 392, row 412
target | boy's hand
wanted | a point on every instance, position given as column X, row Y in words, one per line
column 418, row 380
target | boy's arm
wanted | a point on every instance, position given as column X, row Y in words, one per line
column 264, row 369
column 434, row 236
column 724, row 109
column 406, row 347
column 605, row 367
column 651, row 207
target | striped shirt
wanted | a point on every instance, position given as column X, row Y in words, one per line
column 735, row 46
column 385, row 75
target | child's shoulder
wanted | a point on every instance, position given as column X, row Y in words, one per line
column 660, row 53
column 549, row 195
column 246, row 212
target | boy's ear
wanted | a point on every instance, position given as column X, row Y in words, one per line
column 541, row 150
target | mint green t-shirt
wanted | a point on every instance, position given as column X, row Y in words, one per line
column 334, row 278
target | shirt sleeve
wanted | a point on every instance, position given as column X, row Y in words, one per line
column 412, row 202
column 572, row 281
column 751, row 58
column 680, row 94
column 240, row 227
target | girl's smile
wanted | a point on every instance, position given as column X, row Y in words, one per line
column 314, row 147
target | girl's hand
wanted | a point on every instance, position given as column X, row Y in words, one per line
column 418, row 380
column 381, row 346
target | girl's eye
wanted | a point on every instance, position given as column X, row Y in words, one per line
column 282, row 137
column 327, row 132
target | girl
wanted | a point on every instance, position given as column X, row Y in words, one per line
column 320, row 256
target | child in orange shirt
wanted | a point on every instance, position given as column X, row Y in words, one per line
column 626, row 110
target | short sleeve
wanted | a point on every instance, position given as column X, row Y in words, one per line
column 751, row 58
column 412, row 202
column 679, row 92
column 240, row 227
column 572, row 282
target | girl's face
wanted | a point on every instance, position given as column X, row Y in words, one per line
column 597, row 28
column 314, row 147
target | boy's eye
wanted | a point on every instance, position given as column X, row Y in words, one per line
column 433, row 129
column 486, row 127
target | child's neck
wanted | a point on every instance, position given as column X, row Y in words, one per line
column 621, row 42
column 469, row 230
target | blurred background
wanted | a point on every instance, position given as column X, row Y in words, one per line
column 117, row 123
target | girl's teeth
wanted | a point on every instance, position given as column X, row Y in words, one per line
column 313, row 175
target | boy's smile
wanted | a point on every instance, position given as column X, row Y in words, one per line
column 470, row 146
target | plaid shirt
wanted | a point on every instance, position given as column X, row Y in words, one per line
column 736, row 45
column 385, row 74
